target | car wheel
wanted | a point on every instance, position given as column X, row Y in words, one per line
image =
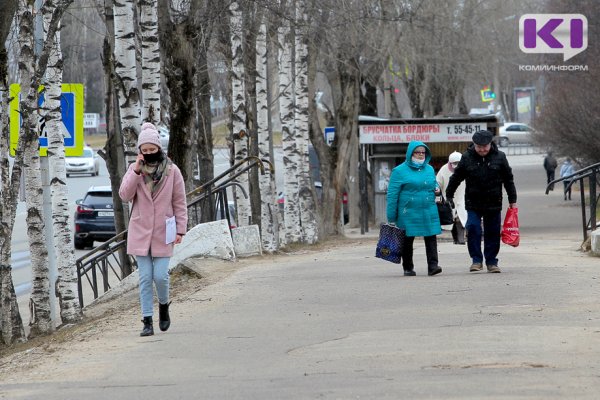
column 79, row 243
column 96, row 173
column 503, row 142
column 68, row 175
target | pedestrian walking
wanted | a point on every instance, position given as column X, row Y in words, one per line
column 154, row 186
column 550, row 165
column 567, row 169
column 411, row 205
column 459, row 211
column 485, row 170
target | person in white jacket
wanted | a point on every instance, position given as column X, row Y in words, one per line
column 460, row 213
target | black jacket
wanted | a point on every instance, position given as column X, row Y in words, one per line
column 484, row 177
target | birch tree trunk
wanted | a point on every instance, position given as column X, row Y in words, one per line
column 150, row 61
column 66, row 285
column 129, row 95
column 268, row 221
column 291, row 155
column 240, row 131
column 308, row 203
column 39, row 302
column 11, row 324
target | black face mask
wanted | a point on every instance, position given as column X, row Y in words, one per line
column 153, row 157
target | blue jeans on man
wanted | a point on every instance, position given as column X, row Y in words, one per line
column 491, row 235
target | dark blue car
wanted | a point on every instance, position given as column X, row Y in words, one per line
column 94, row 217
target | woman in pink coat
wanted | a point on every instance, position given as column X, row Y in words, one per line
column 154, row 187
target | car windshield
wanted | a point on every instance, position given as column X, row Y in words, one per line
column 95, row 199
column 87, row 153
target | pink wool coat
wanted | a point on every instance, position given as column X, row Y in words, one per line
column 147, row 231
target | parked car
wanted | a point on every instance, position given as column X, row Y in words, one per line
column 87, row 163
column 94, row 217
column 514, row 132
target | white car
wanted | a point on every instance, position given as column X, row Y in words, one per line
column 87, row 163
column 164, row 138
column 514, row 132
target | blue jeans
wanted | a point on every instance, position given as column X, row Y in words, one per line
column 491, row 236
column 153, row 269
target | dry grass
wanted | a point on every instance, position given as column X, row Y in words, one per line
column 220, row 134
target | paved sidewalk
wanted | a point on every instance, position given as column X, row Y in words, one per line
column 339, row 323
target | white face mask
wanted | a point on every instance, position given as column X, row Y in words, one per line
column 417, row 161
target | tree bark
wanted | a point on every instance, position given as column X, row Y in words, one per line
column 238, row 117
column 269, row 222
column 306, row 192
column 291, row 155
column 66, row 284
column 126, row 76
column 176, row 45
column 11, row 324
column 150, row 61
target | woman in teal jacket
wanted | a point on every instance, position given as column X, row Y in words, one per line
column 411, row 205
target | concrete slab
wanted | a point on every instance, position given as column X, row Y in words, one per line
column 246, row 241
column 595, row 239
column 211, row 239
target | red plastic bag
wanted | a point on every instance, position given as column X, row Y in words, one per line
column 510, row 229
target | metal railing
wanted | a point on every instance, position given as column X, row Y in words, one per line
column 105, row 263
column 107, row 257
column 590, row 172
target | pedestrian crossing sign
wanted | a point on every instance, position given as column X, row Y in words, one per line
column 71, row 104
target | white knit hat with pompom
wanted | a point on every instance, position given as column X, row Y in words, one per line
column 148, row 134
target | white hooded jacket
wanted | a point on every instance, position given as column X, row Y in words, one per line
column 442, row 178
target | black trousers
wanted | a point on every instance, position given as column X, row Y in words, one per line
column 458, row 232
column 550, row 178
column 430, row 251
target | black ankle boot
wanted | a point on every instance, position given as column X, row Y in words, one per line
column 163, row 316
column 434, row 271
column 148, row 329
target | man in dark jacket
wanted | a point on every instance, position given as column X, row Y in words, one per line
column 484, row 169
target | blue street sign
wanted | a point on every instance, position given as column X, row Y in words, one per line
column 71, row 104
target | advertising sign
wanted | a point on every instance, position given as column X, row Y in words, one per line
column 405, row 133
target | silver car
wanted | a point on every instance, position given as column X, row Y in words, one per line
column 87, row 163
column 513, row 133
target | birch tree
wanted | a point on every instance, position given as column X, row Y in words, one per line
column 66, row 285
column 150, row 61
column 113, row 153
column 31, row 73
column 11, row 324
column 240, row 131
column 268, row 221
column 291, row 155
column 127, row 89
column 39, row 302
column 307, row 195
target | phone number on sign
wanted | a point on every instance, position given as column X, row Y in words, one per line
column 466, row 129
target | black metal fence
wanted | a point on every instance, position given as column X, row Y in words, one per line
column 590, row 173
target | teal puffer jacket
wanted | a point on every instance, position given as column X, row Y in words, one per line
column 411, row 196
